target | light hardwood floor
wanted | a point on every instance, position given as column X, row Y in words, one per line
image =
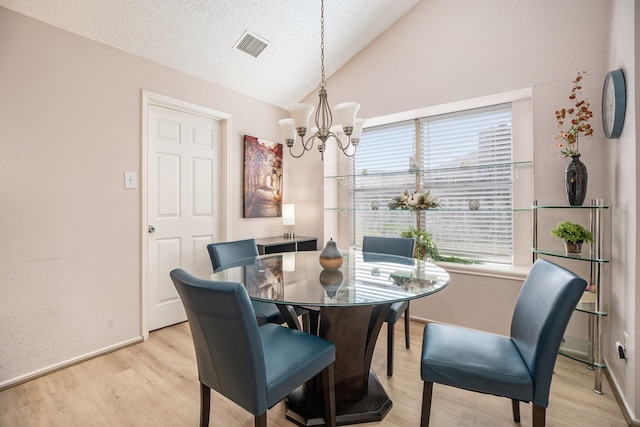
column 155, row 383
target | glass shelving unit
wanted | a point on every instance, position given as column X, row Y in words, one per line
column 368, row 174
column 587, row 351
column 375, row 178
column 434, row 210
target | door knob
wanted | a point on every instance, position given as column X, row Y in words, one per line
column 151, row 229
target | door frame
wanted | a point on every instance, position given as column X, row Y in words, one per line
column 148, row 99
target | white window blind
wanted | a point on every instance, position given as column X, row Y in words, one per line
column 463, row 157
column 383, row 151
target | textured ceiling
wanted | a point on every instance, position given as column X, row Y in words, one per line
column 198, row 36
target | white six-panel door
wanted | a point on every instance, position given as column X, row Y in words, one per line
column 183, row 204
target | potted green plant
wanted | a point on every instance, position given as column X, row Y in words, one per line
column 573, row 235
column 427, row 249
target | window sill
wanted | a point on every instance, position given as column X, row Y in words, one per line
column 488, row 270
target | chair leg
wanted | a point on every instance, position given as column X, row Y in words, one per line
column 539, row 415
column 390, row 334
column 407, row 335
column 314, row 321
column 205, row 405
column 515, row 408
column 306, row 322
column 261, row 420
column 427, row 392
column 329, row 394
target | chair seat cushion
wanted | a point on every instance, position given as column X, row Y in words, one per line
column 475, row 360
column 397, row 308
column 266, row 312
column 294, row 358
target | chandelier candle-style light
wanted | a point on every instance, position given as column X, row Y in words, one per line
column 301, row 113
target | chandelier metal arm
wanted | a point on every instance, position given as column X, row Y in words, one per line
column 324, row 118
column 343, row 147
column 306, row 146
column 299, row 155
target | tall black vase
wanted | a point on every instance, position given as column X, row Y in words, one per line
column 575, row 181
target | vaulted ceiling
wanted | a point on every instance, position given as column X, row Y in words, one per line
column 199, row 37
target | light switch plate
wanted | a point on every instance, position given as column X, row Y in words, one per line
column 130, row 180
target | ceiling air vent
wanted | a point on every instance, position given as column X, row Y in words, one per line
column 251, row 44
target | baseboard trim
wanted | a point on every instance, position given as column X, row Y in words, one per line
column 626, row 412
column 421, row 320
column 49, row 369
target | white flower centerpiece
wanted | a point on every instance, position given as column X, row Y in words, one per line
column 414, row 201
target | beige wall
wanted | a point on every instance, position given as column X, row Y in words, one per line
column 623, row 51
column 70, row 125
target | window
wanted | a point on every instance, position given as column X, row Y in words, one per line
column 463, row 158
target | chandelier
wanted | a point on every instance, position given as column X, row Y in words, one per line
column 301, row 113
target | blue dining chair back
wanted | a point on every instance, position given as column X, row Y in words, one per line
column 519, row 366
column 227, row 254
column 254, row 366
column 402, row 247
column 544, row 307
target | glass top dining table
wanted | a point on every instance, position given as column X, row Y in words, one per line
column 348, row 307
column 297, row 278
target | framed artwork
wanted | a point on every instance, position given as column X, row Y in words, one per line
column 262, row 178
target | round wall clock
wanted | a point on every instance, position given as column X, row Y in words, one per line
column 613, row 104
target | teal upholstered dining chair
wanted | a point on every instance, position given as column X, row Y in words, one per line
column 392, row 246
column 253, row 366
column 226, row 254
column 519, row 366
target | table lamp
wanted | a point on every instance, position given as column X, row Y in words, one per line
column 288, row 219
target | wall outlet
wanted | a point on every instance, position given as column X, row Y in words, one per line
column 623, row 347
column 622, row 350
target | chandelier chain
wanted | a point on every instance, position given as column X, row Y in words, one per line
column 322, row 81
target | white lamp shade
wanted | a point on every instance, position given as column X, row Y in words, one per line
column 347, row 113
column 288, row 129
column 288, row 214
column 357, row 129
column 301, row 114
column 288, row 261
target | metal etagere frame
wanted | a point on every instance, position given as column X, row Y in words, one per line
column 589, row 351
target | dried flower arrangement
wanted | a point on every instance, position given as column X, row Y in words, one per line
column 578, row 115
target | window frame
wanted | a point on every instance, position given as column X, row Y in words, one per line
column 521, row 104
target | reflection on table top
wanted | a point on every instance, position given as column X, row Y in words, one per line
column 297, row 278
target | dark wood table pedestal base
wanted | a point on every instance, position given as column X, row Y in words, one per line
column 372, row 407
column 359, row 395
